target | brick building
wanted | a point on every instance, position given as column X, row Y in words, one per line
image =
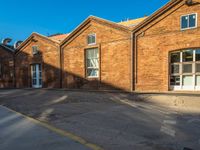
column 38, row 62
column 6, row 66
column 167, row 48
column 156, row 53
column 97, row 55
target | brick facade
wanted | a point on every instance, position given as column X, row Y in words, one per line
column 156, row 40
column 114, row 45
column 48, row 57
column 133, row 55
column 6, row 67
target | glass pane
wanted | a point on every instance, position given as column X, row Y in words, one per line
column 40, row 81
column 34, row 82
column 91, row 39
column 96, row 53
column 89, row 63
column 39, row 66
column 192, row 20
column 40, row 74
column 187, row 80
column 33, row 67
column 197, row 55
column 174, row 69
column 34, row 74
column 92, row 72
column 198, row 68
column 197, row 80
column 175, row 57
column 187, row 55
column 187, row 68
column 184, row 22
column 175, row 80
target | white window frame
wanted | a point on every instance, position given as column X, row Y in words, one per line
column 196, row 23
column 92, row 34
column 86, row 59
column 194, row 74
column 37, row 49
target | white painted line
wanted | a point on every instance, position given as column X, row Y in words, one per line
column 172, row 122
column 168, row 131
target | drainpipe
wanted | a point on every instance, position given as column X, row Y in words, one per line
column 132, row 62
column 61, row 65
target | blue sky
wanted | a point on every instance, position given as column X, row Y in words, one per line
column 19, row 18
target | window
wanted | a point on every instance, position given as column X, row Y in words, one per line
column 187, row 55
column 188, row 21
column 92, row 62
column 175, row 69
column 198, row 55
column 185, row 69
column 187, row 80
column 175, row 57
column 197, row 68
column 197, row 80
column 91, row 39
column 175, row 80
column 35, row 50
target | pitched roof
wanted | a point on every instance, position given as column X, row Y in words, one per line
column 32, row 36
column 96, row 19
column 8, row 48
column 157, row 14
column 132, row 23
column 59, row 37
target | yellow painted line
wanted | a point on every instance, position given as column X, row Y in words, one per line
column 59, row 131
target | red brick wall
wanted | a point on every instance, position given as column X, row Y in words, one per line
column 115, row 59
column 48, row 57
column 156, row 40
column 7, row 68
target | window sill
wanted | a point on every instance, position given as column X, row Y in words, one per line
column 188, row 29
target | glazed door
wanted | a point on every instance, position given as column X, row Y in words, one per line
column 36, row 76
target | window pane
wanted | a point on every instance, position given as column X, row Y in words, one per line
column 91, row 39
column 40, row 81
column 198, row 68
column 92, row 72
column 197, row 55
column 187, row 80
column 175, row 57
column 174, row 69
column 92, row 58
column 184, row 22
column 34, row 82
column 187, row 68
column 192, row 20
column 187, row 55
column 175, row 80
column 197, row 80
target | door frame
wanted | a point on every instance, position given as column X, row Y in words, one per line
column 38, row 85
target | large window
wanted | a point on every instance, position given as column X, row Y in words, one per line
column 185, row 68
column 92, row 62
column 189, row 21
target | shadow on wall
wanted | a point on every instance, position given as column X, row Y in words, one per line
column 51, row 75
column 7, row 71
